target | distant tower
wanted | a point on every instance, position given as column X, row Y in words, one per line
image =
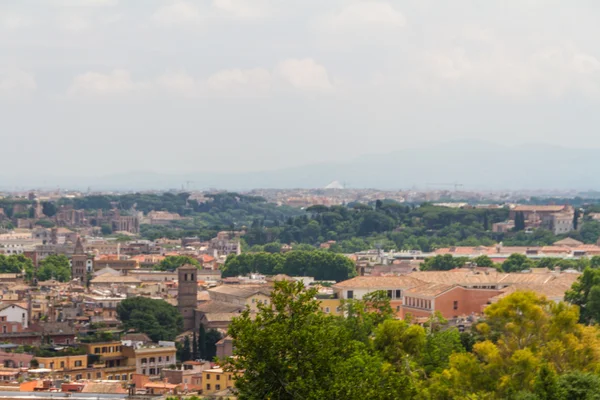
column 187, row 294
column 78, row 262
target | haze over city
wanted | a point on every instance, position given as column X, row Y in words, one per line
column 103, row 87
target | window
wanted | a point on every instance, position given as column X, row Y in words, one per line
column 109, row 378
column 144, row 371
column 389, row 293
column 327, row 310
column 350, row 294
column 89, row 376
column 62, row 364
column 152, row 360
column 4, row 329
column 98, row 375
column 144, row 360
column 455, row 304
column 218, row 377
column 398, row 293
column 78, row 377
column 338, row 309
column 159, row 359
column 78, row 363
column 167, row 358
column 208, row 386
column 218, row 387
column 229, row 377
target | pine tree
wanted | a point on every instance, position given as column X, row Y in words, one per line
column 576, row 219
column 486, row 224
column 195, row 347
column 202, row 343
column 186, row 352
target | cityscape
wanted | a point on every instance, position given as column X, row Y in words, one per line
column 299, row 200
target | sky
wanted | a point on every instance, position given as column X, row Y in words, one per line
column 97, row 87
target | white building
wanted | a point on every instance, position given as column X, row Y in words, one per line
column 14, row 313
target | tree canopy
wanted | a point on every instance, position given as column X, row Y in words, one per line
column 156, row 318
column 527, row 347
column 322, row 265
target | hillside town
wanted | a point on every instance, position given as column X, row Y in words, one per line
column 67, row 278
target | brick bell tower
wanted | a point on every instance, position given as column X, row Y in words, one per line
column 78, row 263
column 187, row 294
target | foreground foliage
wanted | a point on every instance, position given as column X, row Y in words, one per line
column 527, row 348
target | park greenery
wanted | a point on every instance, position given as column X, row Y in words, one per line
column 322, row 265
column 156, row 318
column 55, row 267
column 171, row 263
column 525, row 347
column 514, row 263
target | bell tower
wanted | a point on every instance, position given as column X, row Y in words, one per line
column 187, row 294
column 78, row 263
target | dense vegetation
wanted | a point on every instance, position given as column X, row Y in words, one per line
column 16, row 264
column 171, row 263
column 514, row 263
column 321, row 265
column 54, row 267
column 391, row 225
column 203, row 219
column 527, row 347
column 156, row 318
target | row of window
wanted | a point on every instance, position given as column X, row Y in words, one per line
column 217, row 377
column 217, row 386
column 108, row 349
column 392, row 294
column 151, row 371
column 153, row 360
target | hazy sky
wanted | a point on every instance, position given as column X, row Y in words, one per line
column 104, row 86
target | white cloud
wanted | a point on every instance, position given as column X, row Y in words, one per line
column 244, row 9
column 16, row 82
column 367, row 14
column 549, row 71
column 179, row 13
column 118, row 82
column 179, row 83
column 304, row 74
column 12, row 20
column 240, row 82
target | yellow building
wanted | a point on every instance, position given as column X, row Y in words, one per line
column 151, row 360
column 63, row 363
column 331, row 306
column 109, row 361
column 215, row 380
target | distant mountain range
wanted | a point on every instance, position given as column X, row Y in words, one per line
column 475, row 165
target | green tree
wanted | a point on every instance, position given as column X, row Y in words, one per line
column 291, row 350
column 106, row 229
column 516, row 263
column 186, row 352
column 195, row 354
column 546, row 384
column 484, row 261
column 156, row 318
column 273, row 247
column 171, row 263
column 577, row 385
column 54, row 267
column 49, row 209
column 202, row 352
column 444, row 262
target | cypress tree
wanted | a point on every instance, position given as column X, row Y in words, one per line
column 202, row 343
column 195, row 347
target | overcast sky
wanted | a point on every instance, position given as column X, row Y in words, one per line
column 104, row 86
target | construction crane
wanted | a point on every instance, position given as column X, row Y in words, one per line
column 456, row 185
